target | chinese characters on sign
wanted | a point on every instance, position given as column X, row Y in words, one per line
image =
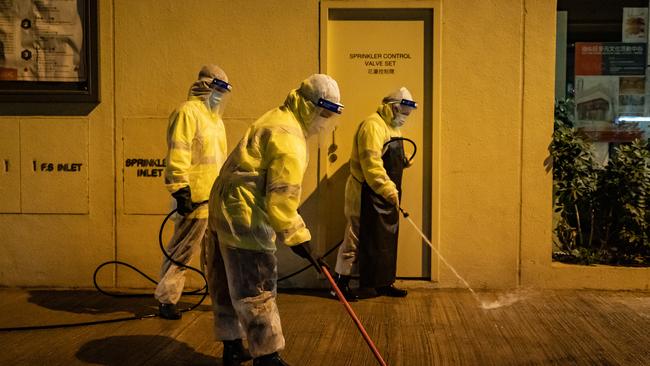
column 380, row 63
column 610, row 58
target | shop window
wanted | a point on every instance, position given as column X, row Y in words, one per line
column 601, row 158
column 602, row 64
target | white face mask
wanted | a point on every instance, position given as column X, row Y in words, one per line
column 214, row 100
column 317, row 125
column 398, row 120
column 322, row 121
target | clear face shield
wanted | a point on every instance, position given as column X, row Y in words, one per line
column 401, row 111
column 325, row 116
column 219, row 96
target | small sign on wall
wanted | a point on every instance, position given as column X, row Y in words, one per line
column 10, row 166
column 386, row 63
column 54, row 166
column 143, row 166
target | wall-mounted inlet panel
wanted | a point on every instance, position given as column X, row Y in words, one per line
column 143, row 166
column 54, row 165
column 10, row 166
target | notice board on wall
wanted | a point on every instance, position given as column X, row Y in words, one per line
column 48, row 54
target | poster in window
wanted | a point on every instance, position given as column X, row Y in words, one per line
column 635, row 24
column 610, row 83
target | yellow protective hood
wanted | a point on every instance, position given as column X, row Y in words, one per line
column 201, row 87
column 195, row 97
column 386, row 112
column 301, row 108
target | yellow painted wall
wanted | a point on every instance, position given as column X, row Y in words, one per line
column 494, row 91
column 480, row 133
column 265, row 47
column 45, row 248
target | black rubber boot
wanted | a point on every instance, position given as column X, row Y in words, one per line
column 343, row 283
column 391, row 291
column 234, row 353
column 169, row 311
column 272, row 359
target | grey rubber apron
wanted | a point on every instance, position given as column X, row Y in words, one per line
column 379, row 224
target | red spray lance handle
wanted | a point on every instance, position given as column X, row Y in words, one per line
column 354, row 317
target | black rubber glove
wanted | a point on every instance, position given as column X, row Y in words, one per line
column 303, row 250
column 183, row 201
column 322, row 263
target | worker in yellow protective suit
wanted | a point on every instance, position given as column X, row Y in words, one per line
column 253, row 206
column 372, row 194
column 196, row 141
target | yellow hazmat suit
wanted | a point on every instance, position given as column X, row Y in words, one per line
column 366, row 165
column 196, row 140
column 259, row 190
column 197, row 150
column 253, row 206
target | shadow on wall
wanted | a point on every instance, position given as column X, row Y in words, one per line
column 335, row 220
column 140, row 350
column 92, row 302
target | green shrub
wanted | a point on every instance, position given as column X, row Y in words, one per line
column 603, row 216
column 627, row 188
